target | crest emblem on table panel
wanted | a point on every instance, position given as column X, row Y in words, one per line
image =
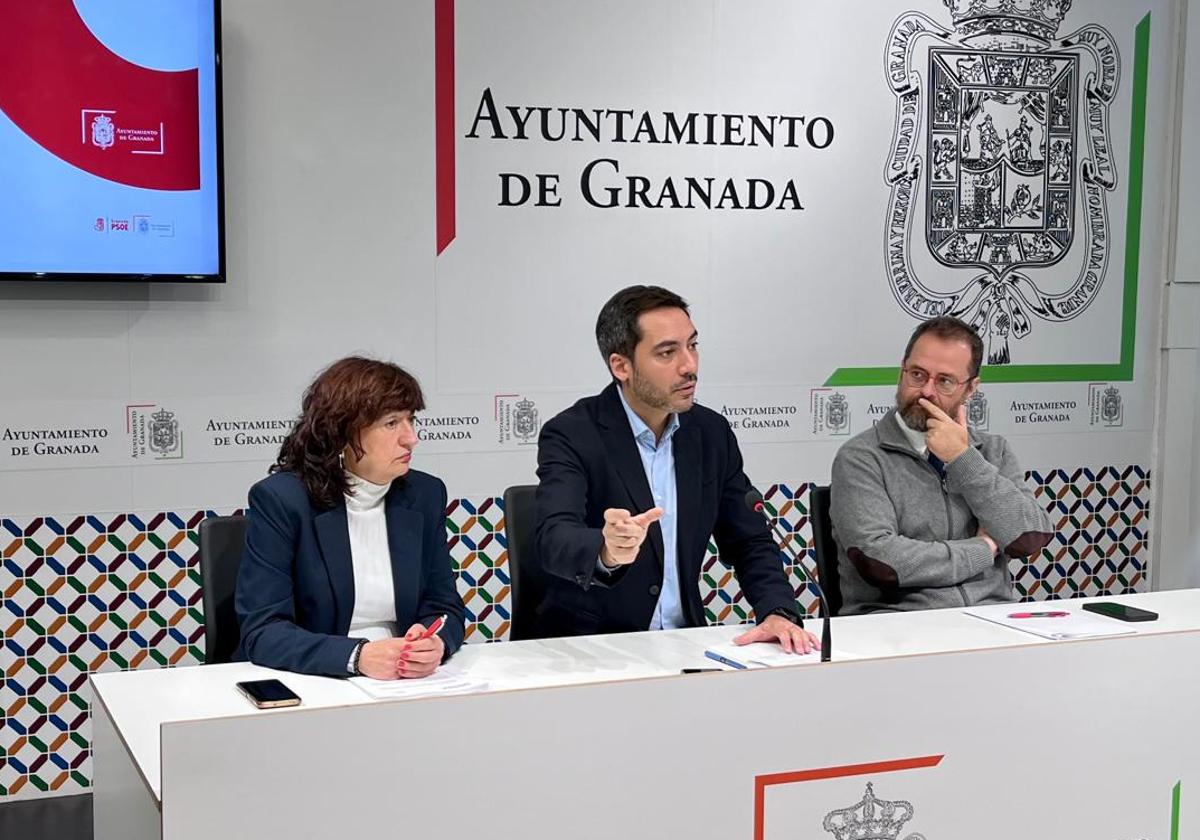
column 1001, row 152
column 871, row 819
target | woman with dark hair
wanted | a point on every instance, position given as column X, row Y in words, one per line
column 346, row 568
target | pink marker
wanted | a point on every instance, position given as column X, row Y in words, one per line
column 1047, row 614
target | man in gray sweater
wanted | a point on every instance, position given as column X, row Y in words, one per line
column 926, row 513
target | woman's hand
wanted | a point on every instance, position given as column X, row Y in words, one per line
column 380, row 660
column 408, row 657
column 419, row 657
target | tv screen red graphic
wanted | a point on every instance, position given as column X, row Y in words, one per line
column 103, row 123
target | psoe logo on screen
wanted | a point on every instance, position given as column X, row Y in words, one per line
column 154, row 433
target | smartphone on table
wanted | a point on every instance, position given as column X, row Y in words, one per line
column 1120, row 611
column 268, row 694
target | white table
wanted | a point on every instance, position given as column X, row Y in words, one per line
column 602, row 736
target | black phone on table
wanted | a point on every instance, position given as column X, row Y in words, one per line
column 1121, row 611
column 268, row 694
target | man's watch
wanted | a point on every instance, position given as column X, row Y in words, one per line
column 788, row 614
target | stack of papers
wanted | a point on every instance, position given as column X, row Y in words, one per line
column 759, row 655
column 445, row 680
column 1052, row 620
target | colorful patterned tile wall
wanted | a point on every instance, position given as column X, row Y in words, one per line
column 92, row 593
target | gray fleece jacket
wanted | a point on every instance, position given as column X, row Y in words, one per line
column 907, row 538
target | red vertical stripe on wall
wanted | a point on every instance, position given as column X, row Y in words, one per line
column 443, row 48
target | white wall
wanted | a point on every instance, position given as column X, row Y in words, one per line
column 1177, row 490
column 329, row 163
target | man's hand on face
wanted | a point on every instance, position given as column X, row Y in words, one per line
column 624, row 534
column 945, row 436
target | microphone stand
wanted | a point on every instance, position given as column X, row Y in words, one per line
column 754, row 501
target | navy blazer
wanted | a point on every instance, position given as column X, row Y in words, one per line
column 295, row 588
column 588, row 461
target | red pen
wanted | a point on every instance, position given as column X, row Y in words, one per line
column 1047, row 614
column 427, row 634
column 433, row 628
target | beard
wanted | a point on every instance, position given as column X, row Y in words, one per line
column 916, row 417
column 657, row 398
column 911, row 412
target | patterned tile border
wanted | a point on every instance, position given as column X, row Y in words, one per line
column 101, row 594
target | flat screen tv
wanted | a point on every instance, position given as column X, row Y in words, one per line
column 110, row 141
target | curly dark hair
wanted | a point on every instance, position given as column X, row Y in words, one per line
column 345, row 398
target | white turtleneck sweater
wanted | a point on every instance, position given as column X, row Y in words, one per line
column 374, row 614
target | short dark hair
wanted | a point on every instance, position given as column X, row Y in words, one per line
column 344, row 399
column 617, row 327
column 949, row 328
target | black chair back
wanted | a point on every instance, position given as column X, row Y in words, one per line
column 826, row 548
column 525, row 574
column 222, row 540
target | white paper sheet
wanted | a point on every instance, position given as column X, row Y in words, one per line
column 1076, row 624
column 445, row 680
column 759, row 655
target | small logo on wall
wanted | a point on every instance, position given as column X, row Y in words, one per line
column 164, row 433
column 1104, row 405
column 516, row 419
column 1001, row 134
column 977, row 412
column 871, row 819
column 154, row 433
column 830, row 412
column 525, row 421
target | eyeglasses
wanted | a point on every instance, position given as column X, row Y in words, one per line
column 945, row 385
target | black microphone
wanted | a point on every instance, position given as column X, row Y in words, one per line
column 754, row 501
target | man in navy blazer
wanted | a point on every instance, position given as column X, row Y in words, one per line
column 632, row 483
column 295, row 590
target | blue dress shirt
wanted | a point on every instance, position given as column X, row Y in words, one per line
column 658, row 459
